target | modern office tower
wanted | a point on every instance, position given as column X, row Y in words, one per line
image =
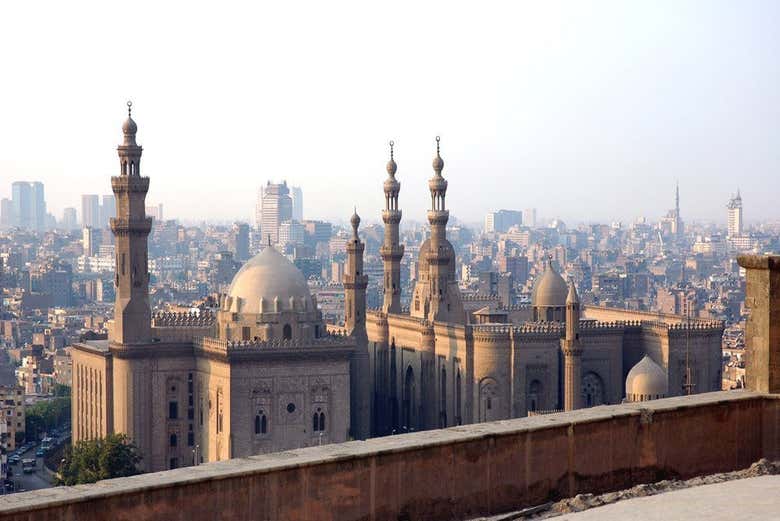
column 69, row 219
column 240, row 241
column 291, row 232
column 296, row 194
column 37, row 207
column 502, row 220
column 277, row 208
column 529, row 217
column 21, row 197
column 91, row 241
column 107, row 210
column 735, row 216
column 90, row 211
column 259, row 208
column 7, row 213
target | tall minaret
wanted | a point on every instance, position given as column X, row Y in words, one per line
column 572, row 353
column 355, row 283
column 131, row 227
column 444, row 295
column 392, row 252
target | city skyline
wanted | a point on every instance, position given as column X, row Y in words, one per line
column 545, row 94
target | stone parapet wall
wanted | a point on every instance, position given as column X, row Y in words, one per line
column 454, row 473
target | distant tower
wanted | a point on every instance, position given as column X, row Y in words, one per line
column 678, row 224
column 132, row 316
column 355, row 283
column 572, row 353
column 735, row 216
column 391, row 251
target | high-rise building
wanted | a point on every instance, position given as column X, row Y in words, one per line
column 735, row 216
column 90, row 241
column 7, row 213
column 240, row 241
column 69, row 219
column 107, row 210
column 291, row 232
column 259, row 208
column 502, row 220
column 37, row 207
column 155, row 212
column 277, row 208
column 529, row 217
column 296, row 194
column 90, row 211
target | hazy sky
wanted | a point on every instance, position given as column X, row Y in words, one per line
column 584, row 110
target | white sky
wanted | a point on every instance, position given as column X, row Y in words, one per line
column 585, row 110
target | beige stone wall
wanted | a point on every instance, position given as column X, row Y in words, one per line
column 91, row 394
column 458, row 473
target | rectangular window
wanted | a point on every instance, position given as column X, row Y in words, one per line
column 189, row 387
column 173, row 410
column 190, row 439
column 189, row 402
column 245, row 332
column 190, row 413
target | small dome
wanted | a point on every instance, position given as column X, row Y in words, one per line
column 355, row 222
column 268, row 275
column 129, row 127
column 550, row 290
column 391, row 167
column 438, row 163
column 646, row 379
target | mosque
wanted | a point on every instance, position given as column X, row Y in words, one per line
column 265, row 373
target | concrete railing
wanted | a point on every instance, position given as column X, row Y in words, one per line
column 454, row 473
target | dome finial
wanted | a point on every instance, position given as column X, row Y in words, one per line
column 391, row 166
column 355, row 221
column 129, row 108
column 438, row 162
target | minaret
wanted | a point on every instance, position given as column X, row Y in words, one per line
column 391, row 251
column 572, row 353
column 355, row 283
column 131, row 227
column 445, row 305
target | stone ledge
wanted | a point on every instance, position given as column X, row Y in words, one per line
column 312, row 456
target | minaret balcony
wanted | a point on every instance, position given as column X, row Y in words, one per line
column 439, row 217
column 129, row 184
column 394, row 252
column 391, row 216
column 122, row 226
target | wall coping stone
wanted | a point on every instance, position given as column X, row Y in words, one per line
column 311, row 456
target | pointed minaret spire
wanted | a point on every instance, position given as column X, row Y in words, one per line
column 572, row 352
column 355, row 221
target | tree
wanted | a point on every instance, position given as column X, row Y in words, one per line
column 89, row 461
column 45, row 416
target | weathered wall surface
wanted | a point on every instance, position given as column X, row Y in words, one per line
column 446, row 474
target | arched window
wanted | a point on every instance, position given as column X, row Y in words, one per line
column 409, row 406
column 592, row 390
column 173, row 440
column 458, row 417
column 287, row 332
column 534, row 397
column 315, row 422
column 322, row 421
column 261, row 423
column 257, row 424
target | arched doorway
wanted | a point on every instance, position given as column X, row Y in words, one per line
column 592, row 390
column 534, row 398
column 488, row 400
column 408, row 413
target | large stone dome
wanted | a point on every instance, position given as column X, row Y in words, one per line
column 269, row 275
column 550, row 290
column 646, row 381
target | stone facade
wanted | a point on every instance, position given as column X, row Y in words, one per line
column 452, row 361
column 260, row 375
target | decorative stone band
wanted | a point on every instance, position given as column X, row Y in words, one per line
column 181, row 319
column 122, row 226
column 130, row 183
column 391, row 252
column 227, row 346
column 391, row 216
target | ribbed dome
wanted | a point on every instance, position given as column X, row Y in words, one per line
column 550, row 290
column 268, row 275
column 647, row 379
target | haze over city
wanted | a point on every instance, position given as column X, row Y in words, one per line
column 586, row 111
